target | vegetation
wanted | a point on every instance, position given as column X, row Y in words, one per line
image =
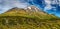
column 19, row 22
column 20, row 19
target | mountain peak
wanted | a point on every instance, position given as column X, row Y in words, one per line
column 33, row 8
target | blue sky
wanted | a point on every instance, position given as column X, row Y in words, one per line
column 49, row 6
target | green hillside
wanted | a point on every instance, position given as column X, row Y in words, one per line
column 34, row 18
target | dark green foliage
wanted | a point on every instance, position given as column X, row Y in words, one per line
column 10, row 21
column 2, row 21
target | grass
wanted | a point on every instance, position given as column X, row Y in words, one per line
column 20, row 22
column 28, row 20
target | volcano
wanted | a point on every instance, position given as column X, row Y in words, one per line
column 30, row 11
column 30, row 18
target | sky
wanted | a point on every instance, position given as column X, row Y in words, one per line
column 49, row 6
column 8, row 4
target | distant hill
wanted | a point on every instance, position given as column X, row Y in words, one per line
column 30, row 18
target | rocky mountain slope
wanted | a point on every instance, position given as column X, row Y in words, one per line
column 30, row 18
column 31, row 11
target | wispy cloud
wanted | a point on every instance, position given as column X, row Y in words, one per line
column 7, row 4
column 49, row 4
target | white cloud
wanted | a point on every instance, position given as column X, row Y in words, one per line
column 15, row 3
column 59, row 2
column 7, row 4
column 54, row 2
column 47, row 1
column 48, row 5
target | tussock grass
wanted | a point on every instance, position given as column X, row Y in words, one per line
column 20, row 22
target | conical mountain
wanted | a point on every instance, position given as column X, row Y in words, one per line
column 30, row 18
column 31, row 11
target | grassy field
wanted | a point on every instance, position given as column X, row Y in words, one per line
column 20, row 22
column 22, row 19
